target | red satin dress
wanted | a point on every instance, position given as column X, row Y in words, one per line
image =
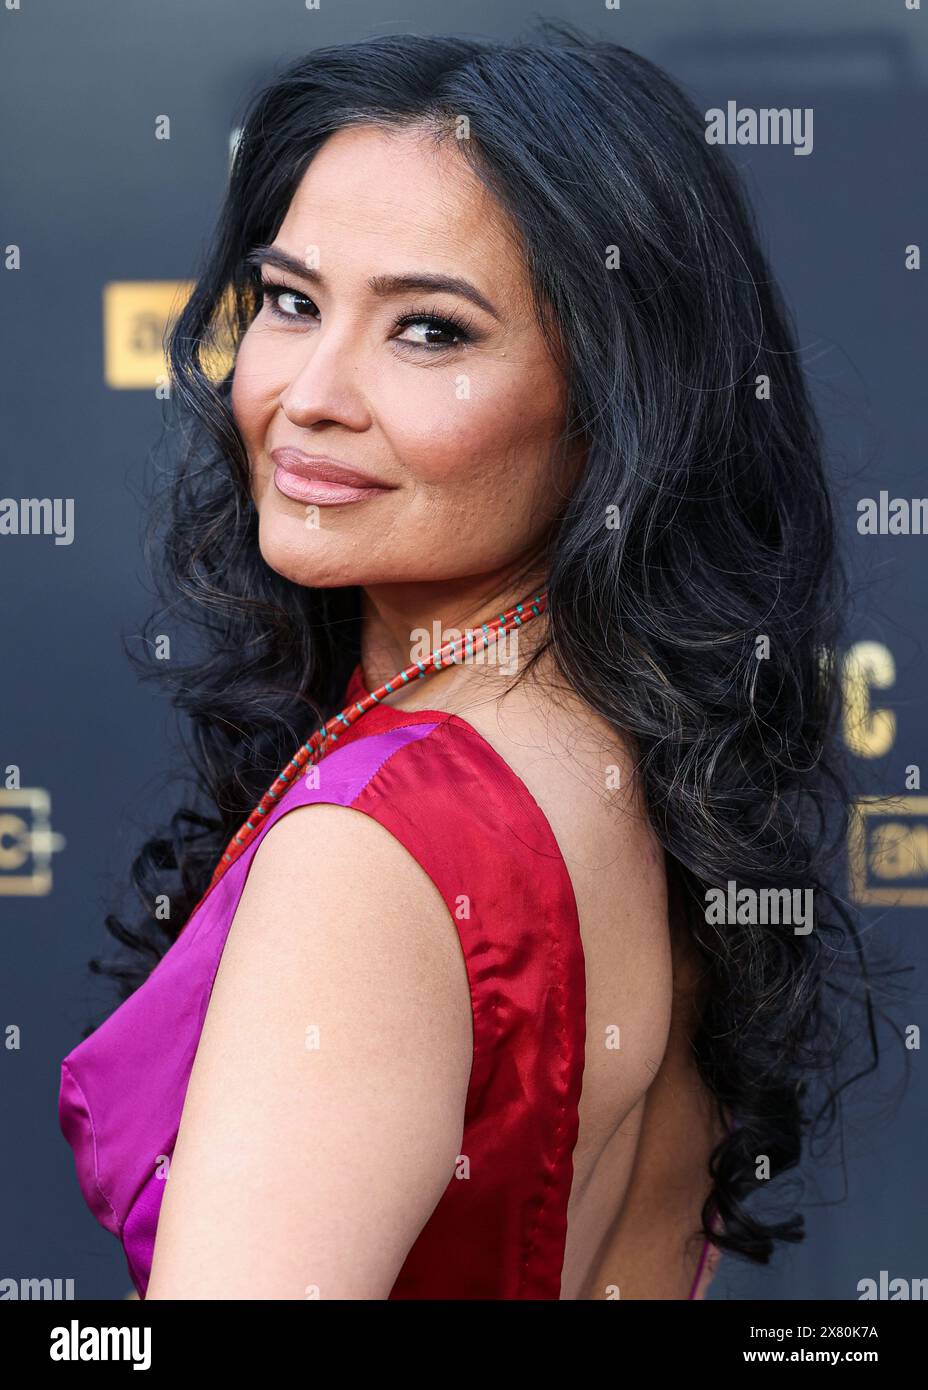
column 499, row 1229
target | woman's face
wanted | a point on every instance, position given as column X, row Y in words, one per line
column 453, row 429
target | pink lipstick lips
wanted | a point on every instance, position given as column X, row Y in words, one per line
column 322, row 480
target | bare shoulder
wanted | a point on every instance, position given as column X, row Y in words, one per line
column 335, row 855
column 338, row 1031
column 330, row 890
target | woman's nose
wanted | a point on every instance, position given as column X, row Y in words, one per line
column 327, row 383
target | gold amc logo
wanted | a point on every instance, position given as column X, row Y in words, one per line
column 888, row 851
column 27, row 841
column 888, row 835
column 136, row 317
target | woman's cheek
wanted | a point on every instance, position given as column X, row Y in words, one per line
column 245, row 396
column 262, row 371
column 443, row 438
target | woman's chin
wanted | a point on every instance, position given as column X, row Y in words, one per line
column 310, row 575
column 303, row 553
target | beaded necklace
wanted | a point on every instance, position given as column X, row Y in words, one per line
column 326, row 736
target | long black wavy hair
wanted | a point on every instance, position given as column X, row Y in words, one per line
column 685, row 383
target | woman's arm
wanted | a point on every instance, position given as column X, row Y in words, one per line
column 325, row 1107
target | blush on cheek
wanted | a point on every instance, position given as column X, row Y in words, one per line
column 459, row 441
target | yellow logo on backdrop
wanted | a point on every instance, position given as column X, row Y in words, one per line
column 136, row 317
column 869, row 731
column 888, row 835
column 27, row 842
column 888, row 851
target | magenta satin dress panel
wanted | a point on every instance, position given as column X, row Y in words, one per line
column 499, row 1229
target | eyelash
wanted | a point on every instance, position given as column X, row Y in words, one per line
column 462, row 327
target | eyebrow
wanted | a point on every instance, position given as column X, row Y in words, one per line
column 382, row 285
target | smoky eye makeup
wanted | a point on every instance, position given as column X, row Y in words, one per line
column 443, row 330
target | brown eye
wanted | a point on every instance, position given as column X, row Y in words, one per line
column 286, row 303
column 436, row 332
column 433, row 330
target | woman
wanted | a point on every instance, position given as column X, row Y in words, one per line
column 449, row 1016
